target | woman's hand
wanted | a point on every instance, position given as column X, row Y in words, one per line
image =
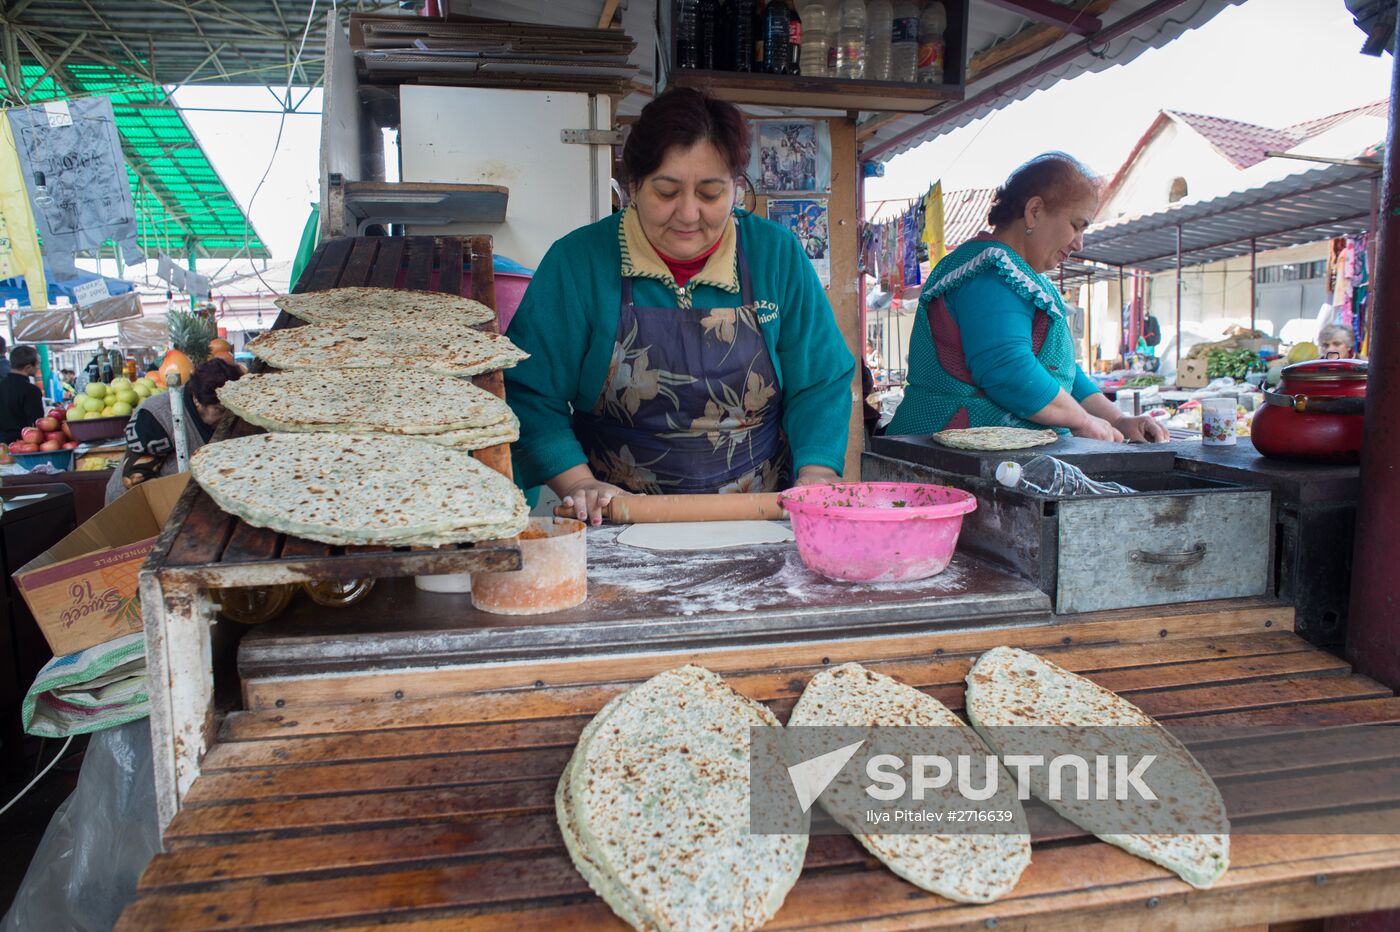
column 578, row 489
column 816, row 475
column 1141, row 429
column 1096, row 428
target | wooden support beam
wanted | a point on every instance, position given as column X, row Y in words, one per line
column 605, row 18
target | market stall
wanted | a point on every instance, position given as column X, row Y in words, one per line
column 370, row 752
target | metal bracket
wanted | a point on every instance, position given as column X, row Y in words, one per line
column 591, row 137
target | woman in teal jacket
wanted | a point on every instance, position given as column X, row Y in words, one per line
column 679, row 346
column 990, row 344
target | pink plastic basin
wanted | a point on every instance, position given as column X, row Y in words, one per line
column 877, row 531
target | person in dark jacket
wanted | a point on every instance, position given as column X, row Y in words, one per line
column 21, row 402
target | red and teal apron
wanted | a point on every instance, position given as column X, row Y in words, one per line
column 691, row 403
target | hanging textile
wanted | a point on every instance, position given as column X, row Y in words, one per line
column 911, row 248
column 933, row 223
column 19, row 243
column 75, row 173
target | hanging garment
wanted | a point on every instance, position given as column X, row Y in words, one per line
column 934, row 234
column 19, row 243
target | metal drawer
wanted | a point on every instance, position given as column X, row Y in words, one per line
column 1180, row 538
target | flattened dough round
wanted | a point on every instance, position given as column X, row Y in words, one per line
column 704, row 535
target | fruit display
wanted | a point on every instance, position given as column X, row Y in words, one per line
column 117, row 398
column 45, row 436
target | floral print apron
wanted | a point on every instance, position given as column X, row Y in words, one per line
column 691, row 403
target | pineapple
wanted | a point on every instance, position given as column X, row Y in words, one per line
column 190, row 333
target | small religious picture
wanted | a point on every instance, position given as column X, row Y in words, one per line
column 791, row 155
column 807, row 219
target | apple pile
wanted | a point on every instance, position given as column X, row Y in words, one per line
column 45, row 436
column 117, row 398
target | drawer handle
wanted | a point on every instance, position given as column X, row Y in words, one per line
column 1180, row 558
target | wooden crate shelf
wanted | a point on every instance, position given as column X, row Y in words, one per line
column 780, row 90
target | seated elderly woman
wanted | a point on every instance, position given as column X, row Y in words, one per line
column 1336, row 341
column 991, row 343
column 680, row 345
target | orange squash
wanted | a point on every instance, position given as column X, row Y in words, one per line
column 220, row 345
column 176, row 362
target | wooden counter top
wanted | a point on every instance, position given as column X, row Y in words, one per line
column 438, row 812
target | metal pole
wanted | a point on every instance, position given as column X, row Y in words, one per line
column 1373, row 628
column 1124, row 330
column 1178, row 297
column 1253, row 257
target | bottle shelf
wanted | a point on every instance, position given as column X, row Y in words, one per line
column 785, row 90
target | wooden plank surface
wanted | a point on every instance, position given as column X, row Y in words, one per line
column 385, row 273
column 439, row 812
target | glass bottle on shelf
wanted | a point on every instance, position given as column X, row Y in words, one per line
column 904, row 41
column 879, row 26
column 815, row 41
column 850, row 40
column 932, row 22
column 687, row 44
column 794, row 63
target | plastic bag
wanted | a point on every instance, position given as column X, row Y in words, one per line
column 99, row 841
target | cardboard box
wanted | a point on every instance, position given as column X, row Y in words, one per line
column 82, row 590
column 1192, row 373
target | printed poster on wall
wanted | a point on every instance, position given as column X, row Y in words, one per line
column 790, row 155
column 807, row 219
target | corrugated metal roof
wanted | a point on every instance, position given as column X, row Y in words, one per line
column 1072, row 55
column 1244, row 144
column 1303, row 208
column 965, row 214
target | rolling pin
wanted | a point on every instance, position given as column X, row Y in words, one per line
column 654, row 509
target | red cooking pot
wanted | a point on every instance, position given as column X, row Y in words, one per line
column 1316, row 414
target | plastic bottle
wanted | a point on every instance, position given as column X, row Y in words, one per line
column 707, row 30
column 932, row 21
column 775, row 37
column 904, row 41
column 879, row 26
column 1045, row 475
column 794, row 62
column 743, row 13
column 687, row 34
column 850, row 40
column 815, row 41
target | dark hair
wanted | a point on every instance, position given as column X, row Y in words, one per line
column 22, row 356
column 683, row 116
column 1054, row 177
column 211, row 376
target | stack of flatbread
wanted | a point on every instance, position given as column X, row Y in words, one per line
column 654, row 808
column 971, row 867
column 995, row 438
column 383, row 308
column 457, row 351
column 355, row 489
column 437, row 408
column 1009, row 689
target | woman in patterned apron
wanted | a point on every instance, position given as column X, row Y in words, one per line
column 991, row 343
column 679, row 346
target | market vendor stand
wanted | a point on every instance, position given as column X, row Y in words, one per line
column 439, row 813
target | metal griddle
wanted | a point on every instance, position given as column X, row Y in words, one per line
column 1093, row 456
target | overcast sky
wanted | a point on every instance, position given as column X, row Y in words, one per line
column 1273, row 62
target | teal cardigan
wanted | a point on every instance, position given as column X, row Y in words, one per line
column 567, row 322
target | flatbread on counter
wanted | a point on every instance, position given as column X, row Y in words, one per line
column 353, row 489
column 654, row 808
column 383, row 308
column 457, row 352
column 995, row 438
column 392, row 402
column 972, row 867
column 1008, row 689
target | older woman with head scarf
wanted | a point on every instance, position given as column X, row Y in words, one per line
column 991, row 343
column 681, row 345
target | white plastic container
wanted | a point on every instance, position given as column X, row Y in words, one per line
column 553, row 575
